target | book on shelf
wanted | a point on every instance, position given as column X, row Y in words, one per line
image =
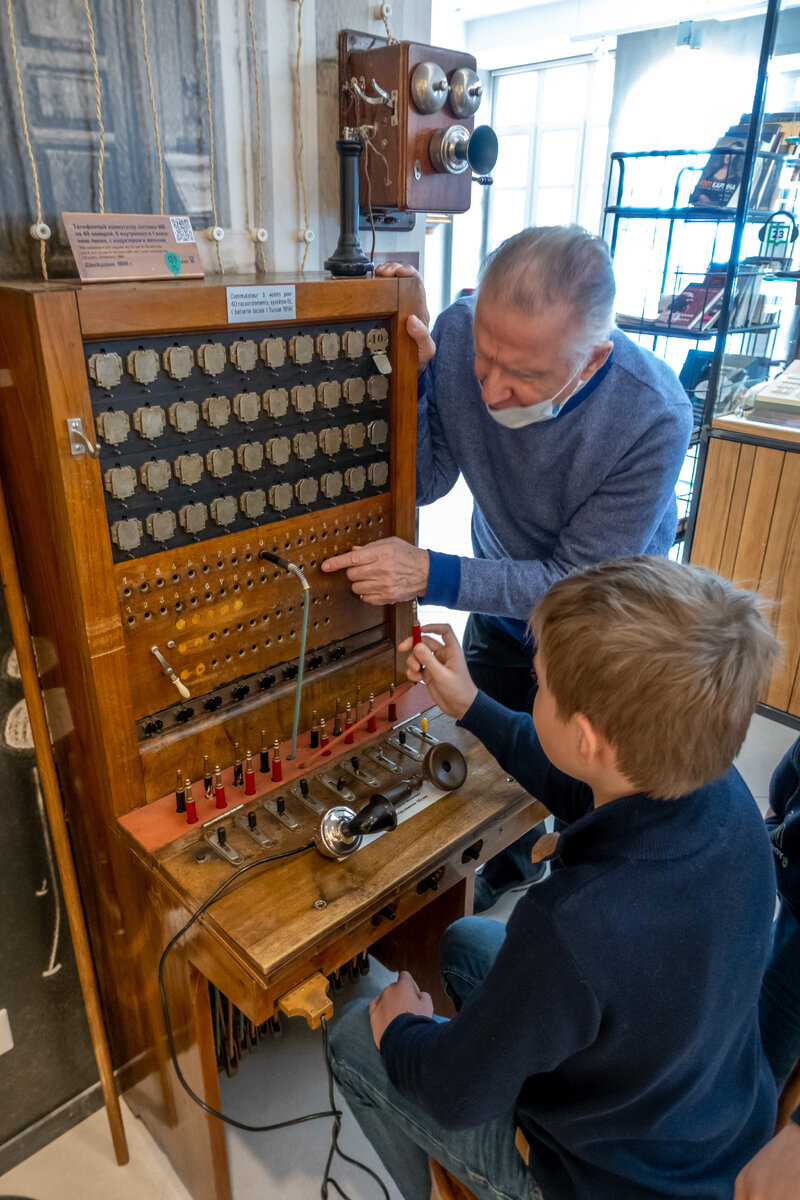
column 747, row 292
column 697, row 307
column 779, row 136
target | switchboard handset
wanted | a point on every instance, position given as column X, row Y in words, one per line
column 342, row 830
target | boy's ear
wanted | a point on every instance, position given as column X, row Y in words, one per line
column 591, row 745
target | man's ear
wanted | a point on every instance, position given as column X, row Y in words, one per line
column 599, row 357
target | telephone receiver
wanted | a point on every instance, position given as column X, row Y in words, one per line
column 342, row 829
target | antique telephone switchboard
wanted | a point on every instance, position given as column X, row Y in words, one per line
column 152, row 454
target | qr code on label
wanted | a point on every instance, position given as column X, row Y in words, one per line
column 182, row 229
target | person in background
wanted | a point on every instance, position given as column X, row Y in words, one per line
column 570, row 437
column 606, row 1043
column 774, row 1174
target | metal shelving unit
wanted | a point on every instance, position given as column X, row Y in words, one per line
column 660, row 241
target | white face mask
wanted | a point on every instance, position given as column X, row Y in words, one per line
column 518, row 418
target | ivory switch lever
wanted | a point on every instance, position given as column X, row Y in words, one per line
column 170, row 674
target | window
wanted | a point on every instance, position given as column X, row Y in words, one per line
column 552, row 125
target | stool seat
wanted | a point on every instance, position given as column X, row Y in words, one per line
column 445, row 1186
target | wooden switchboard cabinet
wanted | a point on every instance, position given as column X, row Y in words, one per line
column 215, row 442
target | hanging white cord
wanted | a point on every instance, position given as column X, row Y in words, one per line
column 302, row 178
column 260, row 202
column 102, row 152
column 153, row 108
column 217, row 231
column 40, row 226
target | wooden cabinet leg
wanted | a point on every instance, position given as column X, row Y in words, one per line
column 192, row 1139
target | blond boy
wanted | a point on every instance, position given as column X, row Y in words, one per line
column 606, row 1042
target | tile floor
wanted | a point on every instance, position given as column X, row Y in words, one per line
column 284, row 1076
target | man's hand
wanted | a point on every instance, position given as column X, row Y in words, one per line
column 401, row 997
column 385, row 571
column 775, row 1171
column 446, row 673
column 418, row 326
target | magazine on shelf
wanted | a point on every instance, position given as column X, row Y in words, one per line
column 718, row 185
column 720, row 181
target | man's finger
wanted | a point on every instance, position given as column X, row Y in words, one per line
column 421, row 334
column 338, row 561
column 362, row 572
column 357, row 557
column 375, row 598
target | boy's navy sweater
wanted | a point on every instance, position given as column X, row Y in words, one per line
column 596, row 482
column 620, row 1020
column 784, row 827
column 784, row 831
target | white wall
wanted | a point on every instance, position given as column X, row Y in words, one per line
column 559, row 28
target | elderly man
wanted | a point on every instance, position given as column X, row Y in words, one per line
column 570, row 437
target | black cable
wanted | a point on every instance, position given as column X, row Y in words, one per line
column 327, row 1178
column 223, row 887
column 333, row 1111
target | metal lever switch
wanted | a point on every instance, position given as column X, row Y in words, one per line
column 170, row 674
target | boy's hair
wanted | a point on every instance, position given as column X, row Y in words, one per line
column 665, row 660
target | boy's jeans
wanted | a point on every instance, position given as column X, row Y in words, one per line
column 404, row 1135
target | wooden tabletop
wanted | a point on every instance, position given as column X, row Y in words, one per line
column 755, row 429
column 283, row 913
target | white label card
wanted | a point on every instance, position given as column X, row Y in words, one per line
column 276, row 303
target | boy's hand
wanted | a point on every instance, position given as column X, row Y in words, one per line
column 775, row 1170
column 401, row 997
column 417, row 327
column 446, row 673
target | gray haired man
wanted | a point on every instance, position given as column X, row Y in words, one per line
column 570, row 437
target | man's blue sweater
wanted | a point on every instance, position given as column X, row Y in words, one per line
column 596, row 482
column 620, row 1019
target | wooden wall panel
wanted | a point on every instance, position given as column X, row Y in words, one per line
column 748, row 529
column 759, row 507
column 715, row 502
column 780, row 582
column 736, row 510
